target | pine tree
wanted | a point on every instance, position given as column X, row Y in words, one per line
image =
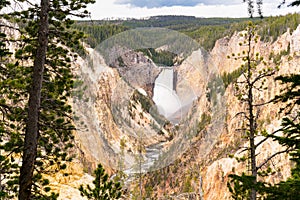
column 250, row 3
column 103, row 189
column 32, row 129
column 293, row 3
column 35, row 89
column 247, row 89
column 121, row 175
column 8, row 168
column 289, row 189
column 259, row 4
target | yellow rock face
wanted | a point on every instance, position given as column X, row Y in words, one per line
column 216, row 165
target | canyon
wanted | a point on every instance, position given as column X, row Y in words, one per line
column 190, row 146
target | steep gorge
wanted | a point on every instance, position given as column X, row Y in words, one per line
column 194, row 158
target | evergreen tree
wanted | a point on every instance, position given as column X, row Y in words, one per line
column 32, row 129
column 103, row 189
column 247, row 89
column 293, row 3
column 8, row 169
column 121, row 175
column 259, row 4
column 250, row 3
column 289, row 189
column 34, row 91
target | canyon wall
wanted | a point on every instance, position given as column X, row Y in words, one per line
column 116, row 106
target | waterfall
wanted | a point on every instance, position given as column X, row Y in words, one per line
column 164, row 94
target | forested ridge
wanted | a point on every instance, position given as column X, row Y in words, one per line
column 206, row 31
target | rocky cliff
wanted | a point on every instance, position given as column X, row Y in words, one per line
column 193, row 159
column 215, row 174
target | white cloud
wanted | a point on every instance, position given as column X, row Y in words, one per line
column 170, row 3
column 110, row 9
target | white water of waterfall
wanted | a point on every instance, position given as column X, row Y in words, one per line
column 164, row 94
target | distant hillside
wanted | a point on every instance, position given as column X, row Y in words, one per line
column 180, row 23
column 204, row 30
column 173, row 22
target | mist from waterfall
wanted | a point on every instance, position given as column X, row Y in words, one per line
column 164, row 94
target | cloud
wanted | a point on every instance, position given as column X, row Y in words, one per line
column 170, row 3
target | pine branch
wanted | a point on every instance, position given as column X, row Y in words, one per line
column 272, row 156
column 10, row 27
column 270, row 135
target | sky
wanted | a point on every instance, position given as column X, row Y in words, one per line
column 113, row 9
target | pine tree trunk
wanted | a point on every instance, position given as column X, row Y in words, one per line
column 251, row 123
column 252, row 146
column 32, row 129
